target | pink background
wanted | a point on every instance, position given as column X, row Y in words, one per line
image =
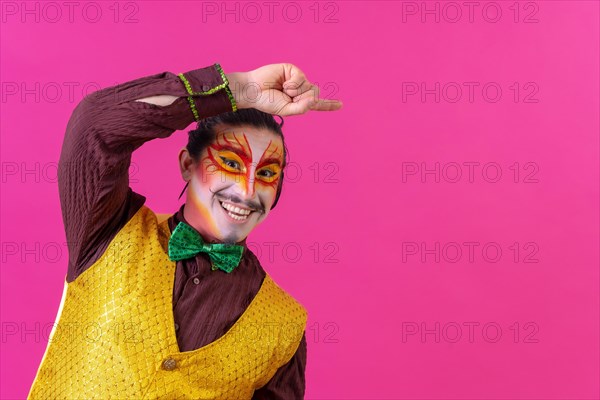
column 360, row 307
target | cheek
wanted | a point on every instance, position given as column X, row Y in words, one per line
column 208, row 174
column 267, row 191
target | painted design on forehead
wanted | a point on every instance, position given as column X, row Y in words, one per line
column 241, row 148
column 275, row 155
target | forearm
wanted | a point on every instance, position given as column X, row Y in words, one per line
column 237, row 84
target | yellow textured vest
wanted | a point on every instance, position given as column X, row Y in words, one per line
column 115, row 333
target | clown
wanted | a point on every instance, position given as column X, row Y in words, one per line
column 176, row 305
column 234, row 180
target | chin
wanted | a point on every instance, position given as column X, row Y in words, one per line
column 232, row 238
column 231, row 233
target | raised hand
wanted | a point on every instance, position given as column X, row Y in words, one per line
column 278, row 89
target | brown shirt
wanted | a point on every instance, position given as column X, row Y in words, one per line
column 96, row 200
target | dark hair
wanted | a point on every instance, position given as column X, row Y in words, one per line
column 204, row 134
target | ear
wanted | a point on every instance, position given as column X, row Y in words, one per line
column 186, row 164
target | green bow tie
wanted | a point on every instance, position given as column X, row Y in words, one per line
column 185, row 242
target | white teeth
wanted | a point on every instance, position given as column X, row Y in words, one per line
column 236, row 217
column 235, row 209
column 240, row 214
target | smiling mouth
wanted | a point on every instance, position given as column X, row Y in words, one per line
column 235, row 212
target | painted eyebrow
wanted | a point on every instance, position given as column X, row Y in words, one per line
column 270, row 160
column 235, row 150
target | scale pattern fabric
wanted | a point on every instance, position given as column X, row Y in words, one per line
column 115, row 327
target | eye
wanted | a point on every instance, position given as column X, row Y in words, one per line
column 230, row 163
column 269, row 173
column 266, row 172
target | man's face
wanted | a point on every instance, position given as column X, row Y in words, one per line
column 234, row 183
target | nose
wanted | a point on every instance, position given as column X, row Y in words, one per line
column 247, row 188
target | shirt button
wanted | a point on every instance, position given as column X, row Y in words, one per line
column 169, row 364
column 196, row 281
column 176, row 327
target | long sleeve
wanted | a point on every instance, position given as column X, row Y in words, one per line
column 288, row 383
column 104, row 130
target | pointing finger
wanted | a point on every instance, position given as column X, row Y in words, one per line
column 326, row 105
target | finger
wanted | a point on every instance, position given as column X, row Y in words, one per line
column 326, row 105
column 295, row 108
column 312, row 92
column 295, row 81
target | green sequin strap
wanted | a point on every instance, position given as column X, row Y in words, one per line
column 193, row 107
column 227, row 89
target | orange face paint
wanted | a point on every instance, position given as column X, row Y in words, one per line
column 232, row 156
